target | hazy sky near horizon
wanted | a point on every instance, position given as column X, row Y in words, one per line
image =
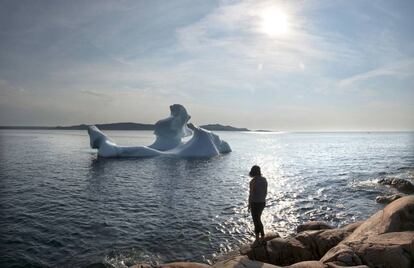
column 281, row 65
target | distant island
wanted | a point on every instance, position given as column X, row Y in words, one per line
column 125, row 126
column 218, row 127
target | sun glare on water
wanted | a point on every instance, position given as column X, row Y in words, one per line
column 274, row 22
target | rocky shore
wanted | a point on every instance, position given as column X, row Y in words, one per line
column 386, row 239
column 402, row 186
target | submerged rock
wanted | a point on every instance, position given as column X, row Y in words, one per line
column 386, row 199
column 401, row 185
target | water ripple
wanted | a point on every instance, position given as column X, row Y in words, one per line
column 62, row 206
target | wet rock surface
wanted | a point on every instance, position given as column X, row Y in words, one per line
column 386, row 199
column 402, row 185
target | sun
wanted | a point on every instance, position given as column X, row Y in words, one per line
column 274, row 22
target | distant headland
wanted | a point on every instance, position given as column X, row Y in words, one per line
column 128, row 126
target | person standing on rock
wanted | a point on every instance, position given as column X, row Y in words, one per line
column 257, row 199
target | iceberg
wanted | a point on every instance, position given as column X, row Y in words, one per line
column 168, row 140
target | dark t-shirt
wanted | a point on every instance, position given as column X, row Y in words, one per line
column 258, row 190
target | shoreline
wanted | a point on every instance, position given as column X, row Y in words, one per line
column 129, row 126
column 384, row 238
column 316, row 244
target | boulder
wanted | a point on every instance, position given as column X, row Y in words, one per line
column 395, row 217
column 342, row 254
column 318, row 264
column 280, row 251
column 352, row 226
column 244, row 250
column 333, row 265
column 313, row 225
column 140, row 265
column 242, row 262
column 386, row 199
column 319, row 242
column 308, row 264
column 305, row 246
column 385, row 250
column 401, row 185
column 386, row 239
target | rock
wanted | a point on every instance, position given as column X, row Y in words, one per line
column 242, row 262
column 332, row 265
column 395, row 217
column 401, row 185
column 308, row 264
column 270, row 236
column 386, row 239
column 183, row 265
column 313, row 225
column 385, row 250
column 280, row 251
column 342, row 255
column 318, row 264
column 140, row 265
column 386, row 181
column 305, row 246
column 386, row 199
column 352, row 226
column 99, row 265
column 244, row 250
column 173, row 265
column 319, row 242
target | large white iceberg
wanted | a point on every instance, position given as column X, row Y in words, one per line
column 169, row 133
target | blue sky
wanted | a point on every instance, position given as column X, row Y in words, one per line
column 281, row 65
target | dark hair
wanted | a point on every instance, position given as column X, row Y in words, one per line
column 255, row 171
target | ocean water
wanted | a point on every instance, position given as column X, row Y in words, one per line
column 62, row 206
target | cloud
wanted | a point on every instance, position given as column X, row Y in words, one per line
column 233, row 30
column 403, row 68
column 104, row 61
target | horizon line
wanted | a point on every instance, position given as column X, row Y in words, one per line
column 262, row 130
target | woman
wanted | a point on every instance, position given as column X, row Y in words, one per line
column 257, row 199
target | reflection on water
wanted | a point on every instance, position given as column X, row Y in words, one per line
column 64, row 206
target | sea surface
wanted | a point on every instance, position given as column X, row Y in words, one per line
column 62, row 206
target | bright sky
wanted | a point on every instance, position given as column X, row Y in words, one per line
column 281, row 65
